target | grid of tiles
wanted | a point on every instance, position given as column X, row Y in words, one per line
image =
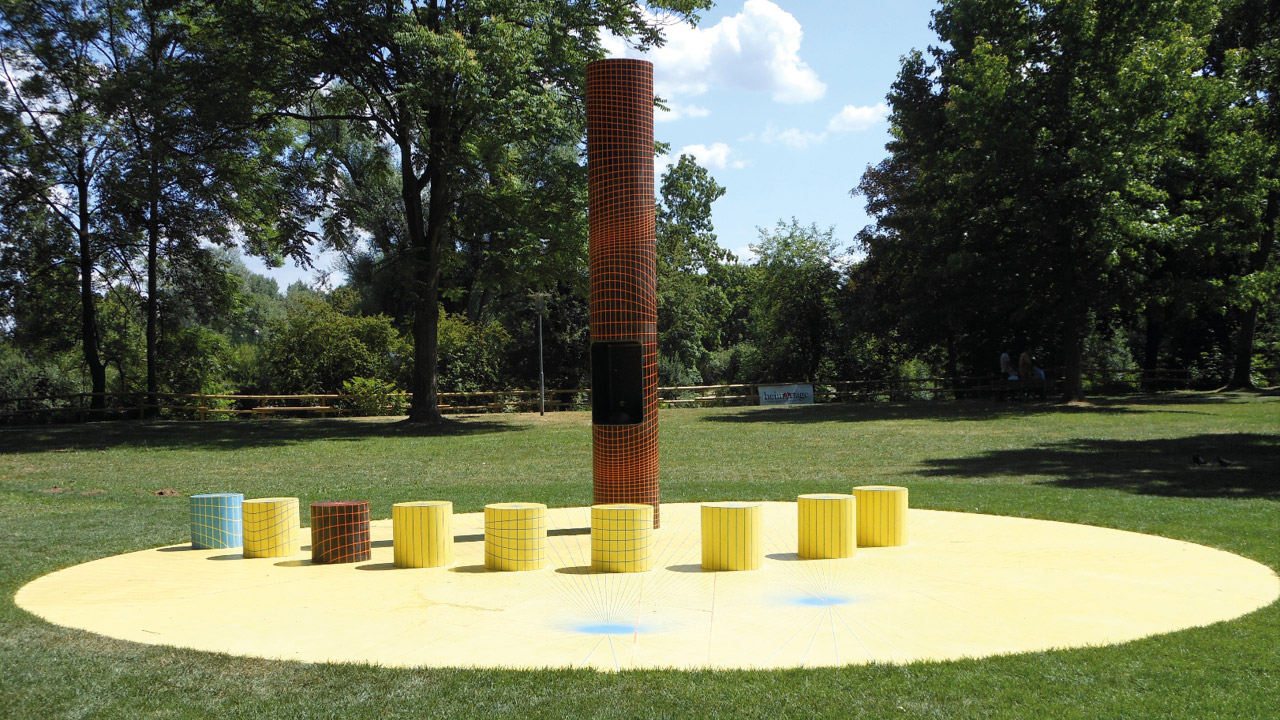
column 882, row 515
column 340, row 532
column 623, row 258
column 271, row 527
column 422, row 534
column 515, row 536
column 621, row 538
column 827, row 526
column 732, row 536
column 217, row 520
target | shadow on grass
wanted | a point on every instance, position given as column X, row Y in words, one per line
column 227, row 435
column 1149, row 467
column 969, row 410
column 924, row 410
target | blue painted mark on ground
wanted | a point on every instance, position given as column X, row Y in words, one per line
column 821, row 600
column 607, row 629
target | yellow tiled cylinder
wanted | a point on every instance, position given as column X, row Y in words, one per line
column 732, row 536
column 621, row 537
column 422, row 534
column 271, row 527
column 882, row 515
column 827, row 526
column 515, row 536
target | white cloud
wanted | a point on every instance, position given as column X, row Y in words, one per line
column 758, row 50
column 716, row 156
column 853, row 118
column 793, row 137
column 678, row 111
column 614, row 46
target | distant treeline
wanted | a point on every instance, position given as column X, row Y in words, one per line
column 1096, row 182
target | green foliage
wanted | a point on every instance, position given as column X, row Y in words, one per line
column 691, row 310
column 471, row 354
column 39, row 297
column 247, row 370
column 738, row 363
column 371, row 396
column 793, row 314
column 485, row 118
column 196, row 359
column 121, row 323
column 565, row 338
column 57, row 139
column 25, row 376
column 1024, row 176
column 315, row 348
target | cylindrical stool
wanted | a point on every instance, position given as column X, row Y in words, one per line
column 422, row 533
column 732, row 535
column 827, row 526
column 271, row 527
column 340, row 532
column 217, row 520
column 621, row 537
column 515, row 536
column 882, row 515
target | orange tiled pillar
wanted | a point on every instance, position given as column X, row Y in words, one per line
column 624, row 307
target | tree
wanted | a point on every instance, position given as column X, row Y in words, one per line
column 315, row 348
column 193, row 167
column 112, row 123
column 793, row 314
column 39, row 304
column 1050, row 124
column 56, row 137
column 691, row 310
column 441, row 81
column 1247, row 54
column 911, row 283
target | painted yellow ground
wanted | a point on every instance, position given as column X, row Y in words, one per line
column 966, row 586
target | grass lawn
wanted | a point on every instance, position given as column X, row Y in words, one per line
column 73, row 494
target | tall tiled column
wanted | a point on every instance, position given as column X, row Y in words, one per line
column 624, row 308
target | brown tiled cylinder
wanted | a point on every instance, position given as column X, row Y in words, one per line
column 624, row 304
column 340, row 532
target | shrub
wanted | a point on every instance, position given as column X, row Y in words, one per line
column 371, row 396
column 315, row 348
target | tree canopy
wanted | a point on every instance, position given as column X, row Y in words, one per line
column 1095, row 181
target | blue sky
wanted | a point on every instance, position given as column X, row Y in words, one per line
column 782, row 100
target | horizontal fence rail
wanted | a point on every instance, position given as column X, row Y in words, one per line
column 78, row 407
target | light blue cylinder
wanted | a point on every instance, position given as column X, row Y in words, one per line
column 217, row 520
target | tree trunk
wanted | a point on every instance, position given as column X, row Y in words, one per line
column 1242, row 368
column 154, row 44
column 88, row 307
column 1151, row 346
column 153, row 306
column 953, row 362
column 427, row 233
column 1242, row 371
column 425, row 407
column 1073, row 383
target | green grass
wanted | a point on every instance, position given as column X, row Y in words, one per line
column 1118, row 463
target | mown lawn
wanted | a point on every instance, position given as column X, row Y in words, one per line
column 72, row 494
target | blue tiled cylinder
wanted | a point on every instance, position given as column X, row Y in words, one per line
column 217, row 520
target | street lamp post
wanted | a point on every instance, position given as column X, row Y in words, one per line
column 540, row 301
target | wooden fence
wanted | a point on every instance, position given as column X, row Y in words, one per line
column 77, row 407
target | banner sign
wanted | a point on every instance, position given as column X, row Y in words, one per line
column 786, row 394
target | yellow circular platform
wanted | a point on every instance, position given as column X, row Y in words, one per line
column 966, row 586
